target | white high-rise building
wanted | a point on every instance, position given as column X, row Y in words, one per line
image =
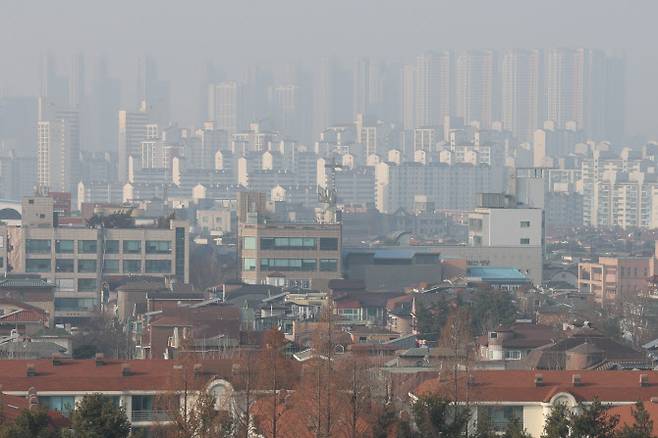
column 408, row 97
column 475, row 77
column 225, row 106
column 132, row 131
column 58, row 148
column 286, row 110
column 521, row 92
column 433, row 88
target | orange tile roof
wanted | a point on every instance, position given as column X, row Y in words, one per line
column 625, row 414
column 510, row 386
column 86, row 376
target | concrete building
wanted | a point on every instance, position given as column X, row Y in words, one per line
column 529, row 396
column 226, row 106
column 612, row 280
column 58, row 147
column 77, row 259
column 496, row 223
column 132, row 131
column 295, row 254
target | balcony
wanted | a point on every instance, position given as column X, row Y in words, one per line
column 151, row 416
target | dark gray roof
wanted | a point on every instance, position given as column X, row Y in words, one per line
column 18, row 282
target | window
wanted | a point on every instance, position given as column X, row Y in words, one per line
column 87, row 285
column 328, row 244
column 64, row 246
column 63, row 404
column 141, row 403
column 525, row 224
column 110, row 266
column 87, row 246
column 37, row 246
column 132, row 246
column 64, row 265
column 249, row 243
column 37, row 265
column 75, row 304
column 248, row 264
column 288, row 243
column 2, row 262
column 158, row 266
column 87, row 266
column 328, row 265
column 132, row 266
column 512, row 355
column 111, row 247
column 305, row 265
column 158, row 247
column 524, row 241
column 180, row 253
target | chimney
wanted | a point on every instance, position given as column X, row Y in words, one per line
column 125, row 370
column 100, row 359
column 197, row 369
column 576, row 380
column 31, row 370
column 539, row 380
column 57, row 360
column 644, row 380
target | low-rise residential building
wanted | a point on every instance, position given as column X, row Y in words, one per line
column 139, row 386
column 529, row 396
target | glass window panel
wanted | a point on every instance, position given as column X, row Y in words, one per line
column 64, row 265
column 158, row 246
column 249, row 243
column 132, row 266
column 87, row 246
column 64, row 246
column 38, row 246
column 37, row 265
column 132, row 246
column 87, row 266
column 111, row 247
column 158, row 266
column 111, row 266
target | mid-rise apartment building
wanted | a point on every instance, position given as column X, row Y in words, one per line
column 77, row 259
column 294, row 254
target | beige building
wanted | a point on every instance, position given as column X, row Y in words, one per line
column 615, row 279
column 295, row 254
column 77, row 259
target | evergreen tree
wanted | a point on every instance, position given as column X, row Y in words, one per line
column 97, row 417
column 439, row 418
column 30, row 424
column 642, row 426
column 557, row 423
column 592, row 421
column 515, row 429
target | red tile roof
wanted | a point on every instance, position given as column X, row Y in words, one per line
column 509, row 386
column 24, row 315
column 86, row 376
column 625, row 414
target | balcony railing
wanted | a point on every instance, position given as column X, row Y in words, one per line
column 152, row 415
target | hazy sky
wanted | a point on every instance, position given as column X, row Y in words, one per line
column 183, row 34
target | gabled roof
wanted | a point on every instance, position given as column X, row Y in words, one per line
column 86, row 376
column 24, row 316
column 520, row 386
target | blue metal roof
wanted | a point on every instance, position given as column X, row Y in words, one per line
column 487, row 273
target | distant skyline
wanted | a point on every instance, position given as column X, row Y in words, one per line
column 183, row 36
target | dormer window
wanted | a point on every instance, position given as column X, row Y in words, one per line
column 493, row 335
